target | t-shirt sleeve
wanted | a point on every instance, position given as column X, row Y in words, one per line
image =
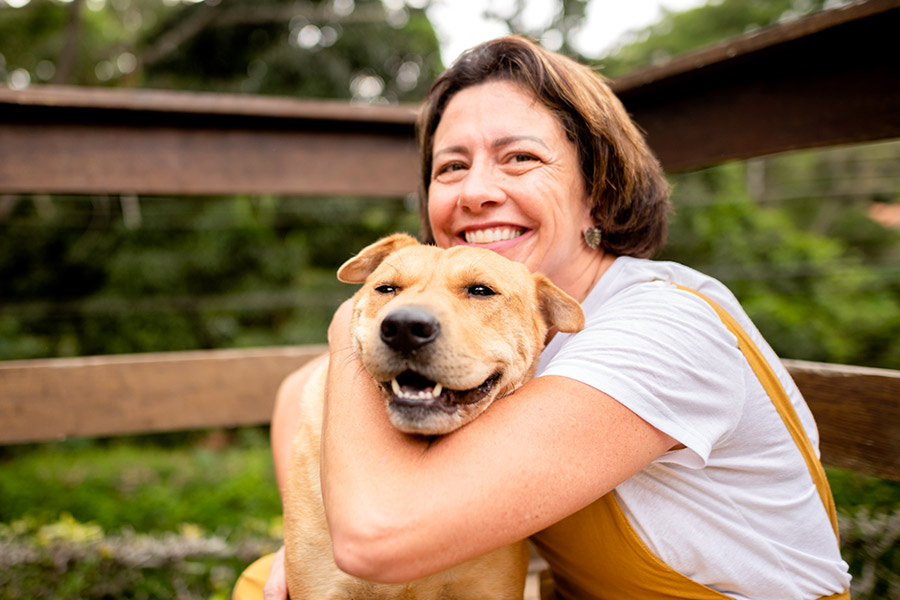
column 665, row 355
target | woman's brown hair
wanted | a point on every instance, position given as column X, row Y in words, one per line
column 628, row 189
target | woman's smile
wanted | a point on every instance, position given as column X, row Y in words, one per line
column 489, row 235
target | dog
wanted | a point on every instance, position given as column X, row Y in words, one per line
column 443, row 333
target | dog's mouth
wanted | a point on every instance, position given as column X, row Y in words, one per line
column 414, row 390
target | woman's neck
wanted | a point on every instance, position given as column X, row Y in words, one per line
column 581, row 286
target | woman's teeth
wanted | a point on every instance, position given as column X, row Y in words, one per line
column 487, row 236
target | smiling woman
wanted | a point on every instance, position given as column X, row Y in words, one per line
column 662, row 451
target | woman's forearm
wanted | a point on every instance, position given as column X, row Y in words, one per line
column 362, row 459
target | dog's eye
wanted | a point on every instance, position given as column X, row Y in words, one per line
column 480, row 290
column 386, row 289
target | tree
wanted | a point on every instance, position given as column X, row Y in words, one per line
column 79, row 276
column 566, row 18
column 679, row 32
column 324, row 48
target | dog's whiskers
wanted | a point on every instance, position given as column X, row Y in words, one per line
column 343, row 354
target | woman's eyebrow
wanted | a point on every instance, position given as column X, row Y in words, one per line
column 518, row 138
column 498, row 143
column 449, row 150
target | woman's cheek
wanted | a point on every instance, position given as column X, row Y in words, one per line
column 439, row 215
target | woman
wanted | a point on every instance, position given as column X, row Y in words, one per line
column 648, row 459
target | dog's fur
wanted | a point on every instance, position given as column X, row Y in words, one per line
column 466, row 318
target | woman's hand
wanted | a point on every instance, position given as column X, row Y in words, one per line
column 276, row 584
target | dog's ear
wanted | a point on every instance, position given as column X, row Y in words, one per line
column 361, row 266
column 558, row 308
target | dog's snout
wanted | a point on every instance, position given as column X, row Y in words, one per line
column 409, row 328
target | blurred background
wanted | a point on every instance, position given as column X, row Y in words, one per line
column 809, row 241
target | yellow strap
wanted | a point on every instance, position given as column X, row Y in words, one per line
column 782, row 403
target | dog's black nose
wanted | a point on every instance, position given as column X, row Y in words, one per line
column 409, row 328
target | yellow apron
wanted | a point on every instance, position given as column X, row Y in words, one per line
column 250, row 584
column 595, row 553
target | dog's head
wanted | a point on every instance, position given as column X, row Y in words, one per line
column 445, row 332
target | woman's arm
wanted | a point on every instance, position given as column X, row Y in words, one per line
column 399, row 507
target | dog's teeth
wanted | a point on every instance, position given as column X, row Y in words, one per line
column 431, row 394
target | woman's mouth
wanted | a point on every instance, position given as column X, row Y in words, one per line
column 492, row 234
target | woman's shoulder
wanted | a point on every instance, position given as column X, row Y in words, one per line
column 636, row 285
column 659, row 350
column 628, row 272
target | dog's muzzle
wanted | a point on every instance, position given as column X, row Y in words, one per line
column 408, row 331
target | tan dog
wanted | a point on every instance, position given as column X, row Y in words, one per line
column 444, row 333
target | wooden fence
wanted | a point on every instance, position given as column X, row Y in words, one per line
column 832, row 78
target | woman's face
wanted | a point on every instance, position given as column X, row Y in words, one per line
column 506, row 177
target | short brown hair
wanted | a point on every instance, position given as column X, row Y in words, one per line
column 627, row 186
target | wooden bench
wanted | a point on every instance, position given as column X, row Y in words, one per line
column 832, row 78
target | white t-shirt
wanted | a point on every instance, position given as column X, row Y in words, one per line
column 737, row 509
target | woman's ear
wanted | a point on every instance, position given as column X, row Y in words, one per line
column 361, row 266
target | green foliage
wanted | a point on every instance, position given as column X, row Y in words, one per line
column 680, row 32
column 313, row 52
column 239, row 46
column 183, row 514
column 871, row 546
column 197, row 273
column 869, row 523
column 145, row 487
column 155, row 517
column 813, row 270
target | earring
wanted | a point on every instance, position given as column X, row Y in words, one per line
column 592, row 237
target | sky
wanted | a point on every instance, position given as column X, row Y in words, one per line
column 460, row 25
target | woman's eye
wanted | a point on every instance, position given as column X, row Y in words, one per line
column 480, row 290
column 449, row 168
column 386, row 289
column 523, row 157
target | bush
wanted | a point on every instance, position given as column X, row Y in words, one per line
column 181, row 515
column 163, row 517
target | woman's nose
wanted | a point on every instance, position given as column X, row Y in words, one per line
column 480, row 189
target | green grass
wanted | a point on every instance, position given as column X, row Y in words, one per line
column 180, row 515
column 162, row 517
column 143, row 486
